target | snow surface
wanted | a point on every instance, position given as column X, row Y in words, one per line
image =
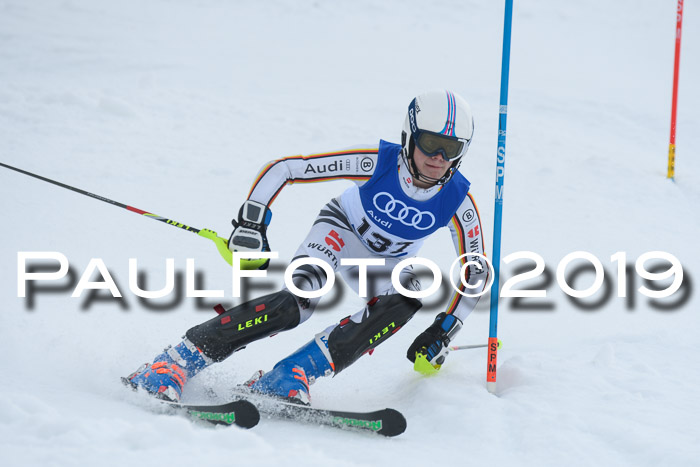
column 172, row 106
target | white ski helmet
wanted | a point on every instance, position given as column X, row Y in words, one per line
column 439, row 123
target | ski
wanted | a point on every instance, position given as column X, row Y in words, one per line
column 246, row 408
column 385, row 422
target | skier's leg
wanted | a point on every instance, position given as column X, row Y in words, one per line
column 217, row 338
column 381, row 318
column 340, row 345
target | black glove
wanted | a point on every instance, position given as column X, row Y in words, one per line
column 250, row 231
column 434, row 341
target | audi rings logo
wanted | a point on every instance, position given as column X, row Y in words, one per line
column 399, row 211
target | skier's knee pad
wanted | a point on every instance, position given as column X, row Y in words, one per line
column 234, row 329
column 382, row 317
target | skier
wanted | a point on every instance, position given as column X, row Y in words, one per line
column 402, row 194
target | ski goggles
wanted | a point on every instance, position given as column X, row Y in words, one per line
column 432, row 144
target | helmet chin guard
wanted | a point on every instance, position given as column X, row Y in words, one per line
column 441, row 114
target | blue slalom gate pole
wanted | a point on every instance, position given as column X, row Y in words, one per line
column 498, row 209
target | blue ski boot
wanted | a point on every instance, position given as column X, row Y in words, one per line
column 167, row 375
column 290, row 378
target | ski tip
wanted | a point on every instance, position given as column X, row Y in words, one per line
column 247, row 415
column 394, row 423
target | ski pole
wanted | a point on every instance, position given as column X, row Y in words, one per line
column 466, row 347
column 106, row 200
column 473, row 346
column 221, row 244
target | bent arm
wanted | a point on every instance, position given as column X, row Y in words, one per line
column 467, row 235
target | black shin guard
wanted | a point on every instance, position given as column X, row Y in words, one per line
column 383, row 316
column 231, row 331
